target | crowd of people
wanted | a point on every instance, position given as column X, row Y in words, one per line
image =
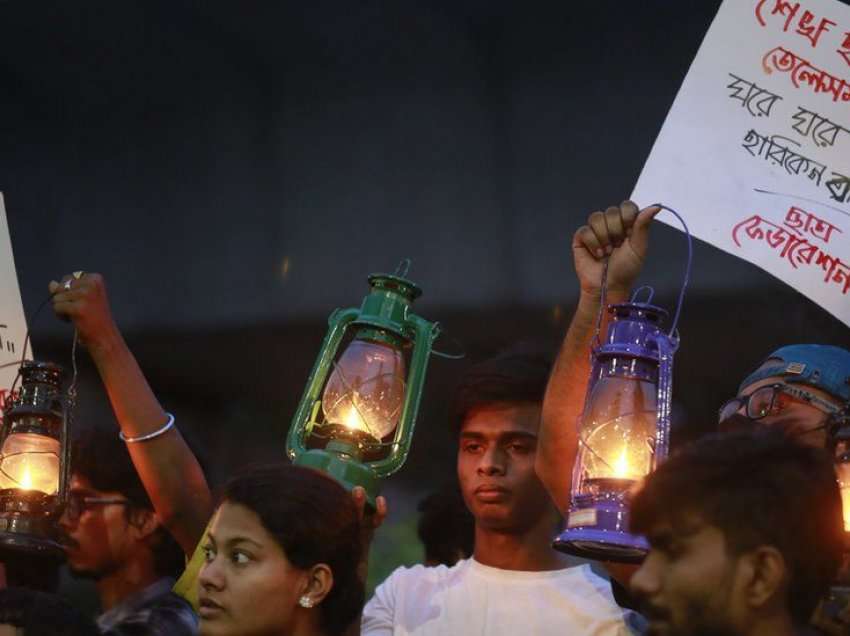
column 744, row 526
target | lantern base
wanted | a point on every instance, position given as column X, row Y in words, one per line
column 28, row 524
column 599, row 531
column 39, row 546
column 345, row 469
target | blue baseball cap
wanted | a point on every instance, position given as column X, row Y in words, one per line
column 821, row 366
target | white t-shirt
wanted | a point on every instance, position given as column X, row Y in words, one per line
column 470, row 598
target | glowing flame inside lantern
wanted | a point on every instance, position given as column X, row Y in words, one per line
column 365, row 392
column 26, row 480
column 621, row 466
column 617, row 435
column 618, row 452
column 29, row 461
column 352, row 420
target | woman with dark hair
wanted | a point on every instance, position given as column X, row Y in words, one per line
column 281, row 557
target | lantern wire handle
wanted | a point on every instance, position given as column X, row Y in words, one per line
column 70, row 399
column 401, row 271
column 402, row 268
column 72, row 388
column 673, row 333
column 603, row 294
column 450, row 356
column 650, row 291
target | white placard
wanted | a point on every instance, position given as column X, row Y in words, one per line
column 755, row 152
column 13, row 323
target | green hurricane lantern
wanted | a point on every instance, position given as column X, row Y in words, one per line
column 355, row 420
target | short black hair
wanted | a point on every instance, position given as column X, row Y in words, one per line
column 102, row 458
column 40, row 614
column 758, row 487
column 314, row 520
column 516, row 375
column 446, row 528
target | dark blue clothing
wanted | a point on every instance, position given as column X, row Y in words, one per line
column 155, row 611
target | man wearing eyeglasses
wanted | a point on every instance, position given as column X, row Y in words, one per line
column 113, row 536
column 801, row 388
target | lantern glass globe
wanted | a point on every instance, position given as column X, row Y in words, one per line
column 365, row 391
column 618, row 434
column 29, row 461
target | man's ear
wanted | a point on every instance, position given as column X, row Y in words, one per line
column 768, row 576
column 317, row 583
column 143, row 522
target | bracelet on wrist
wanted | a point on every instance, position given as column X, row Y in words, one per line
column 148, row 436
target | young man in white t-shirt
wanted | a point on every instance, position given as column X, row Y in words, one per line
column 515, row 583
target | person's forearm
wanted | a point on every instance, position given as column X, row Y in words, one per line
column 166, row 465
column 564, row 398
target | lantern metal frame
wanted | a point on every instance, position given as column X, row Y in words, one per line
column 598, row 522
column 28, row 518
column 384, row 316
column 597, row 525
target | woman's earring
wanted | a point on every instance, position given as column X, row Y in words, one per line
column 305, row 601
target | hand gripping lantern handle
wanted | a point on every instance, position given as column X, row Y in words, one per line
column 672, row 335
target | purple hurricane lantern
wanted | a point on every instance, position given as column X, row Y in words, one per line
column 624, row 429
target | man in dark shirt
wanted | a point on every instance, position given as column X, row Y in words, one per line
column 114, row 536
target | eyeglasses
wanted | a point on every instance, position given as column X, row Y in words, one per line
column 772, row 400
column 79, row 503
